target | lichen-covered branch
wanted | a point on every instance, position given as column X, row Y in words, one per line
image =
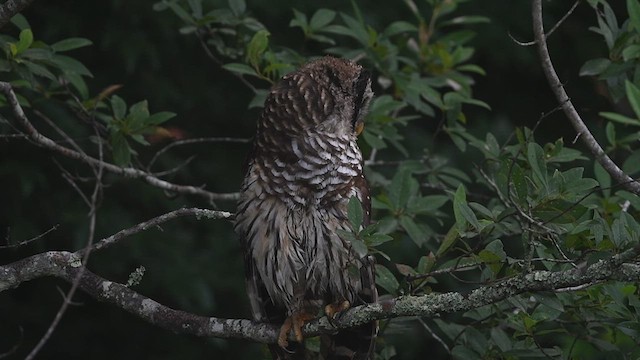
column 129, row 172
column 67, row 265
column 570, row 111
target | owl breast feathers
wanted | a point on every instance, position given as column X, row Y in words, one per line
column 304, row 167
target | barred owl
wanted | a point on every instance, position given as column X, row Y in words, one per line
column 304, row 167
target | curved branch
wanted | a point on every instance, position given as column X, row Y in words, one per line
column 67, row 265
column 199, row 213
column 570, row 111
column 128, row 172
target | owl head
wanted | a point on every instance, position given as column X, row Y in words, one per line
column 328, row 95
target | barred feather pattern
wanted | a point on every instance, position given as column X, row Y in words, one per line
column 304, row 167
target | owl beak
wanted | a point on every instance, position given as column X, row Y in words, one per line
column 359, row 128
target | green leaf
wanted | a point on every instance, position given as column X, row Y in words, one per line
column 535, row 156
column 239, row 68
column 493, row 255
column 159, row 117
column 257, row 47
column 405, row 270
column 355, row 29
column 631, row 52
column 374, row 140
column 462, row 212
column 71, row 65
column 416, row 234
column 118, row 106
column 377, row 239
column 258, row 99
column 140, row 139
column 70, row 44
column 322, row 18
column 610, row 131
column 594, row 67
column 450, row 239
column 603, row 178
column 39, row 70
column 121, row 149
column 633, row 7
column 354, row 213
column 20, row 21
column 140, row 108
column 25, row 41
column 386, row 280
column 299, row 20
column 631, row 165
column 620, row 118
column 400, row 189
column 466, row 20
column 398, row 27
column 427, row 204
column 78, row 82
column 559, row 211
column 359, row 247
column 633, row 94
column 238, row 7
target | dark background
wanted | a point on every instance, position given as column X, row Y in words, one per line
column 193, row 265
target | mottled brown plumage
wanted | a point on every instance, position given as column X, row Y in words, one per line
column 304, row 167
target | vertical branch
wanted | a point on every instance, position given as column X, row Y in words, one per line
column 93, row 209
column 570, row 111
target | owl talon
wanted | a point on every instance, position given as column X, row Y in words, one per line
column 333, row 310
column 296, row 322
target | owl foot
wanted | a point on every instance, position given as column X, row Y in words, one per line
column 332, row 310
column 296, row 322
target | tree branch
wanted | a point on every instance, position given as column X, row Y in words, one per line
column 10, row 8
column 570, row 111
column 67, row 265
column 128, row 172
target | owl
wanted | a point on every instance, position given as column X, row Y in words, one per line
column 304, row 167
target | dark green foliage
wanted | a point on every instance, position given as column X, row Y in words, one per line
column 470, row 185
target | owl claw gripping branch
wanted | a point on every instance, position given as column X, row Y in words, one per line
column 304, row 167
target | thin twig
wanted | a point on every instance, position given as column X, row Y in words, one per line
column 93, row 209
column 129, row 172
column 25, row 242
column 219, row 62
column 198, row 213
column 554, row 28
column 15, row 347
column 567, row 106
column 194, row 141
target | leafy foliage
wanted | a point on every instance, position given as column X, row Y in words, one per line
column 514, row 206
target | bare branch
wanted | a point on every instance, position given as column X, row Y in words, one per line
column 198, row 213
column 128, row 172
column 567, row 106
column 194, row 141
column 67, row 298
column 28, row 241
column 10, row 8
